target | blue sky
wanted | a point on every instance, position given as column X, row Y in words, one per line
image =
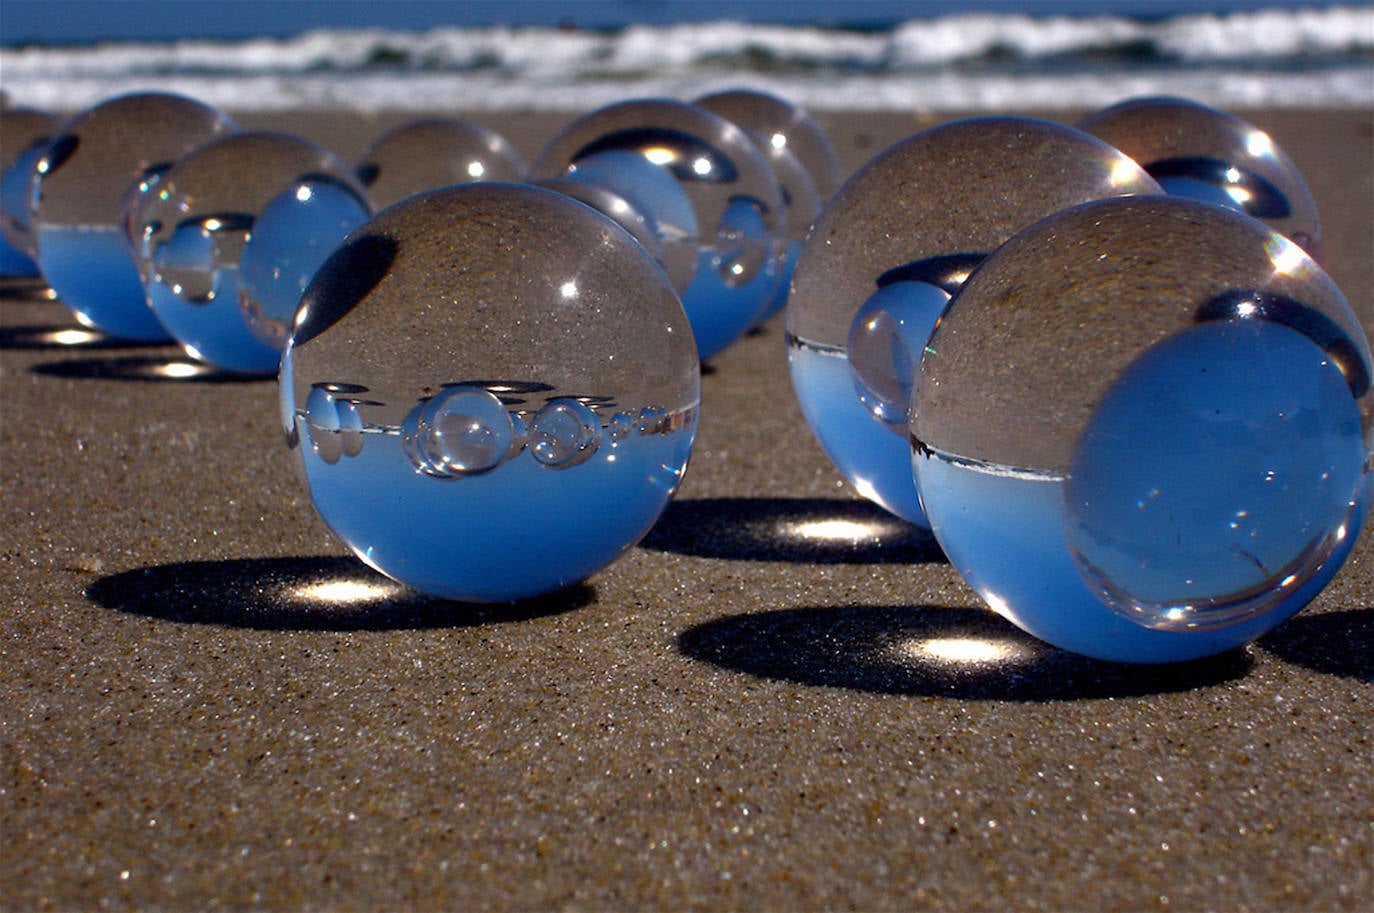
column 85, row 21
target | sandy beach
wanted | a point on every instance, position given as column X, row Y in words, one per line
column 739, row 714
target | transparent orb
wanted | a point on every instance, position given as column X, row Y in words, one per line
column 491, row 391
column 608, row 202
column 24, row 137
column 699, row 186
column 464, row 430
column 80, row 194
column 1201, row 153
column 802, row 158
column 891, row 247
column 1143, row 429
column 231, row 235
column 435, row 152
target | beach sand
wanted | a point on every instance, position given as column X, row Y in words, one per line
column 739, row 714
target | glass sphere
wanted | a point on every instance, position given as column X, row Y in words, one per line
column 24, row 137
column 1143, row 429
column 609, row 203
column 891, row 247
column 1201, row 153
column 435, row 152
column 80, row 193
column 802, row 158
column 491, row 391
column 231, row 235
column 700, row 186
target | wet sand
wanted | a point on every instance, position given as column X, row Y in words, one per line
column 742, row 713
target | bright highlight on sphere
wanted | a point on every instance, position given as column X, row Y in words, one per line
column 1200, row 153
column 92, row 172
column 431, row 153
column 890, row 248
column 230, row 236
column 24, row 137
column 461, row 421
column 697, row 187
column 1138, row 438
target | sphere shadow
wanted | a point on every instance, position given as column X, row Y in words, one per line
column 145, row 368
column 1336, row 643
column 63, row 337
column 322, row 593
column 26, row 290
column 798, row 530
column 933, row 651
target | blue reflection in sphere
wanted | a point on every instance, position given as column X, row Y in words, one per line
column 902, row 235
column 698, row 185
column 231, row 234
column 886, row 340
column 1143, row 429
column 735, row 276
column 564, row 432
column 14, row 262
column 15, row 257
column 462, row 431
column 1213, row 156
column 801, row 156
column 84, row 181
column 336, row 428
column 856, row 399
column 479, row 429
column 1146, row 495
column 297, row 230
column 642, row 190
column 24, row 137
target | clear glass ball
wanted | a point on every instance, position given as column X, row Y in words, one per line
column 24, row 136
column 491, row 391
column 1198, row 152
column 698, row 184
column 435, row 152
column 81, row 191
column 890, row 248
column 802, row 158
column 230, row 236
column 1143, row 429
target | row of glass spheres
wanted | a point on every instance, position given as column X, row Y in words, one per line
column 156, row 219
column 1101, row 364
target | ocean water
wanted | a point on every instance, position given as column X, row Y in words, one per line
column 969, row 56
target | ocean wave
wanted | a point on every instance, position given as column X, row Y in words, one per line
column 1270, row 56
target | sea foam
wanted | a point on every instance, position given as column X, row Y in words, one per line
column 1280, row 58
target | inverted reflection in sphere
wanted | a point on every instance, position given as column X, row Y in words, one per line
column 1198, row 152
column 888, row 251
column 491, row 391
column 231, row 235
column 802, row 158
column 698, row 185
column 24, row 136
column 82, row 189
column 1142, row 430
column 435, row 152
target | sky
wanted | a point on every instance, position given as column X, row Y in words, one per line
column 87, row 21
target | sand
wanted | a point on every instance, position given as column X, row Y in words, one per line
column 739, row 714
